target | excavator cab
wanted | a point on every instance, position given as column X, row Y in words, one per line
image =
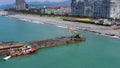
column 76, row 34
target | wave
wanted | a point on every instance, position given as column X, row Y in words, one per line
column 98, row 33
column 115, row 37
column 111, row 36
column 37, row 22
column 61, row 26
column 32, row 21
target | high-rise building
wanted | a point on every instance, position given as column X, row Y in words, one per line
column 115, row 9
column 20, row 5
column 96, row 8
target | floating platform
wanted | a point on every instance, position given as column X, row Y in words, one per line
column 55, row 42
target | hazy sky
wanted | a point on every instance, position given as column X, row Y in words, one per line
column 2, row 2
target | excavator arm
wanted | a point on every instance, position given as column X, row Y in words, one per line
column 70, row 31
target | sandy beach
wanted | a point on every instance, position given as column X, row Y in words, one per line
column 103, row 30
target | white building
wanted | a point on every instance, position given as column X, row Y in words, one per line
column 96, row 8
column 20, row 5
column 3, row 12
column 115, row 9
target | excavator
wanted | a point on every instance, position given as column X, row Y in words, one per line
column 77, row 36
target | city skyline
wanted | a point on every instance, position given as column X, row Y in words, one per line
column 4, row 2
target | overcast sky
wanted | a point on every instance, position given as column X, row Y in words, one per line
column 2, row 2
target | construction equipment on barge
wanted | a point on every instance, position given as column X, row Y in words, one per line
column 71, row 31
column 25, row 48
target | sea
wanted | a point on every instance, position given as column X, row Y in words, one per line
column 97, row 51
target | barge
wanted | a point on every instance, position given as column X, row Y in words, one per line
column 20, row 49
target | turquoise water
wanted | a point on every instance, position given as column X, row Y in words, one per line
column 96, row 52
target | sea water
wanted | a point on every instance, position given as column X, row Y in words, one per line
column 96, row 52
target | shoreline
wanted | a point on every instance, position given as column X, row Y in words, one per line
column 56, row 21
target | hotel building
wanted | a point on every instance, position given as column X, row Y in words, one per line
column 20, row 5
column 96, row 8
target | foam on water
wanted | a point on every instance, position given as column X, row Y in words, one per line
column 110, row 36
column 32, row 21
column 61, row 26
column 37, row 22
